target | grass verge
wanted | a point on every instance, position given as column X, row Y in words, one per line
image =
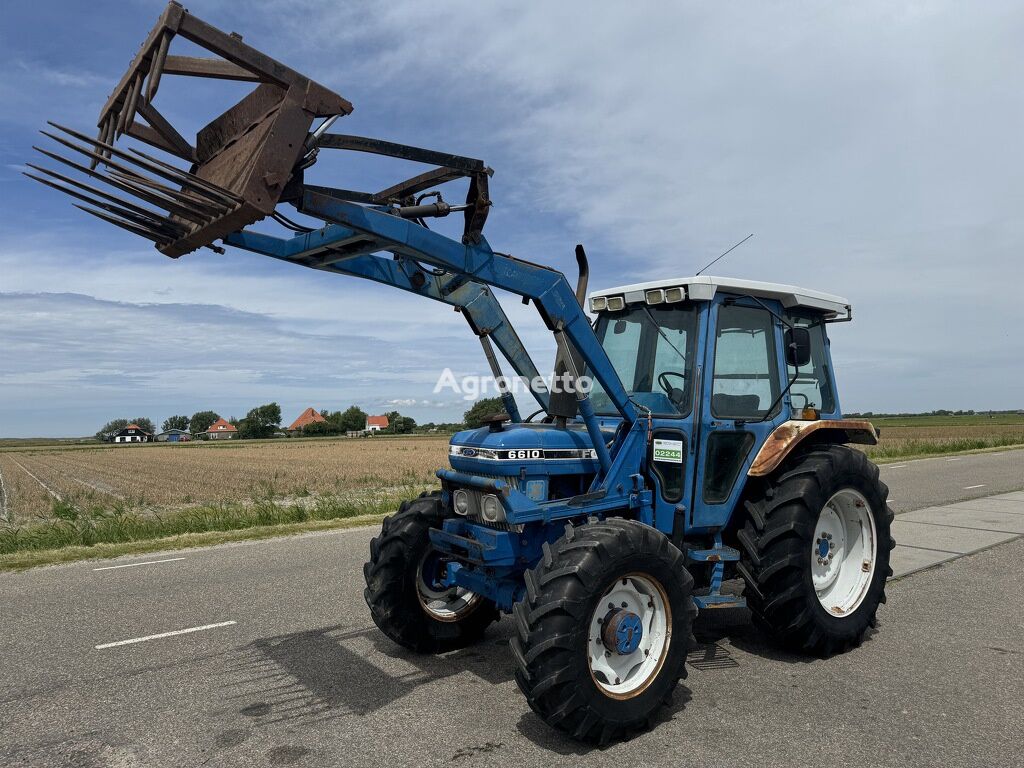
column 75, row 534
column 911, row 449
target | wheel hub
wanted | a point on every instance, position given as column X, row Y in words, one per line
column 622, row 631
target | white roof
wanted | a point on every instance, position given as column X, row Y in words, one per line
column 704, row 288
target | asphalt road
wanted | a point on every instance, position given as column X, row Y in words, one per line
column 302, row 678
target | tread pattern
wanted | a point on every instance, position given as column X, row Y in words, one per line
column 391, row 578
column 775, row 543
column 552, row 621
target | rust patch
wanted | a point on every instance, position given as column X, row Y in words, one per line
column 788, row 435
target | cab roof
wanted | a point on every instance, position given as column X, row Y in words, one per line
column 704, row 288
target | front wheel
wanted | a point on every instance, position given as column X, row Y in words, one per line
column 407, row 600
column 602, row 635
column 816, row 546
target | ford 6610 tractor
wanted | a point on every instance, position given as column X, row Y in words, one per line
column 711, row 445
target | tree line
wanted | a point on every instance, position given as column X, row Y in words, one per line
column 264, row 421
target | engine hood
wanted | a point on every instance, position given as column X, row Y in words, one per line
column 524, row 449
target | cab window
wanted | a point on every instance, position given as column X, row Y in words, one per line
column 652, row 351
column 813, row 387
column 746, row 379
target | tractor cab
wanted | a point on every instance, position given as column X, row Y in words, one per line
column 716, row 365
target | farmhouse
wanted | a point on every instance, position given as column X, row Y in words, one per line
column 174, row 436
column 133, row 433
column 221, row 430
column 307, row 417
column 376, row 423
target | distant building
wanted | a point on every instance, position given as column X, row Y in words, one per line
column 376, row 423
column 174, row 436
column 133, row 433
column 221, row 430
column 307, row 417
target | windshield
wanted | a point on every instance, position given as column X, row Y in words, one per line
column 654, row 360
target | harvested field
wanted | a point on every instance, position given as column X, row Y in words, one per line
column 169, row 476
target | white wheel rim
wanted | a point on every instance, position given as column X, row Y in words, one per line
column 639, row 601
column 449, row 604
column 843, row 552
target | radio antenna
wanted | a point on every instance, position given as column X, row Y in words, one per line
column 741, row 242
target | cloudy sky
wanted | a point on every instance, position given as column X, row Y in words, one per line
column 873, row 149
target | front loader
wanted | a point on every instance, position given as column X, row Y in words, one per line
column 692, row 433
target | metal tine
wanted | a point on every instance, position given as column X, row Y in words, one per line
column 196, row 209
column 149, row 234
column 133, row 102
column 156, row 69
column 184, row 197
column 142, row 193
column 150, row 219
column 230, row 199
column 156, row 166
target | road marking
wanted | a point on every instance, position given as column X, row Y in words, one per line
column 132, row 565
column 955, row 458
column 894, row 466
column 969, row 487
column 165, row 634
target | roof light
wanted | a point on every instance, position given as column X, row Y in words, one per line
column 598, row 304
column 672, row 295
column 616, row 303
column 657, row 296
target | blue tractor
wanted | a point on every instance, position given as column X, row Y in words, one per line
column 691, row 434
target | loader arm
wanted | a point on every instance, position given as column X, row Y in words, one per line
column 479, row 306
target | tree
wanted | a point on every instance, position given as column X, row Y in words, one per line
column 353, row 419
column 261, row 422
column 110, row 427
column 481, row 409
column 399, row 424
column 201, row 421
column 175, row 422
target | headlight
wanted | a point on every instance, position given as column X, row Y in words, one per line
column 491, row 509
column 461, row 501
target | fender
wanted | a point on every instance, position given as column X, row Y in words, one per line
column 789, row 434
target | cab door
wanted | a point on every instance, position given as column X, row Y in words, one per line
column 739, row 404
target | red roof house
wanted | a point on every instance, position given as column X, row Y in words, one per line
column 308, row 416
column 376, row 423
column 221, row 430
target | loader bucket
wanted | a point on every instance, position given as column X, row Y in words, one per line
column 235, row 172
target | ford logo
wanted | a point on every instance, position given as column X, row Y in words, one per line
column 470, row 452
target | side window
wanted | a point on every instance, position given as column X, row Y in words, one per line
column 813, row 388
column 746, row 380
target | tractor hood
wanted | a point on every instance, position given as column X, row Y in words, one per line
column 524, row 449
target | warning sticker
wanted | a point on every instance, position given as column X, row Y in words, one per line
column 668, row 450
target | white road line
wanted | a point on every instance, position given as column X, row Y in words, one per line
column 132, row 565
column 165, row 634
column 955, row 458
column 969, row 487
column 893, row 466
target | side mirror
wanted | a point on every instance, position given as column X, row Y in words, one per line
column 798, row 347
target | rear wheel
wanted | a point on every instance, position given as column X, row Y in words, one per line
column 404, row 589
column 602, row 635
column 816, row 547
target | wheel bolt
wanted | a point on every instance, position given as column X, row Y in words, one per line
column 607, row 654
column 616, row 681
column 624, row 605
column 647, row 652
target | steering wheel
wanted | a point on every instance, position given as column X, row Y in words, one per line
column 675, row 394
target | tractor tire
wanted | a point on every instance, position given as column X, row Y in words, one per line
column 577, row 628
column 815, row 551
column 418, row 615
